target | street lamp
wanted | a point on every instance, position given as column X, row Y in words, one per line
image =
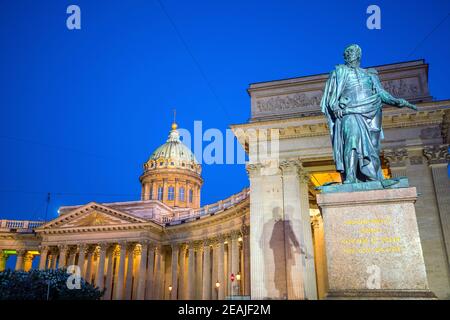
column 217, row 288
column 238, row 283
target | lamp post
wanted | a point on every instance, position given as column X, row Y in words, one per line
column 232, row 277
column 238, row 283
column 217, row 288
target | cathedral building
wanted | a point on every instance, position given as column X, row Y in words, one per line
column 167, row 245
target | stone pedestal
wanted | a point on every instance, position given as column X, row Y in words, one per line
column 372, row 244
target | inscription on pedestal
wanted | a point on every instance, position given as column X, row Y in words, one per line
column 372, row 244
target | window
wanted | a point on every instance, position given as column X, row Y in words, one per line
column 181, row 194
column 151, row 193
column 160, row 193
column 191, row 195
column 171, row 193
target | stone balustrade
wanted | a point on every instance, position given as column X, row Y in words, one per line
column 19, row 225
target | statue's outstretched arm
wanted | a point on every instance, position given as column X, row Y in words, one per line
column 389, row 99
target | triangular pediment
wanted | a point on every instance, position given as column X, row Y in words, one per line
column 92, row 215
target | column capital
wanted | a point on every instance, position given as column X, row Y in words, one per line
column 245, row 230
column 290, row 165
column 207, row 242
column 137, row 251
column 437, row 154
column 396, row 157
column 103, row 246
column 28, row 257
column 130, row 245
column 253, row 169
column 63, row 247
column 21, row 251
column 235, row 234
column 44, row 247
column 198, row 245
column 214, row 241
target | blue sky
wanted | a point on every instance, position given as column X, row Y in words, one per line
column 82, row 110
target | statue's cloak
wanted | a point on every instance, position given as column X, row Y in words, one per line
column 367, row 116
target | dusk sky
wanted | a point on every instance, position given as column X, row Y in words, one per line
column 82, row 110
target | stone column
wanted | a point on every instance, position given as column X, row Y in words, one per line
column 206, row 271
column 119, row 289
column 100, row 277
column 28, row 261
column 20, row 258
column 149, row 293
column 246, row 246
column 164, row 190
column 298, row 244
column 146, row 195
column 214, row 275
column 72, row 256
column 81, row 258
column 227, row 277
column 190, row 290
column 221, row 269
column 186, row 194
column 198, row 245
column 3, row 259
column 265, row 203
column 154, row 190
column 109, row 273
column 397, row 161
column 235, row 261
column 438, row 159
column 62, row 256
column 159, row 273
column 429, row 221
column 182, row 280
column 129, row 272
column 141, row 281
column 175, row 194
column 54, row 259
column 174, row 284
column 43, row 258
column 89, row 258
column 320, row 255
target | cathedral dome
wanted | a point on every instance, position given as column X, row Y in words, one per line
column 172, row 175
column 173, row 154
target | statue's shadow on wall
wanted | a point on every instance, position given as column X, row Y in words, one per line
column 279, row 237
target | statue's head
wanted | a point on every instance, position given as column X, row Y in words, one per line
column 352, row 55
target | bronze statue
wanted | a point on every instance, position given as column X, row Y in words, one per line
column 352, row 101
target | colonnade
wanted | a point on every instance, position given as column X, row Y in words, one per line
column 199, row 269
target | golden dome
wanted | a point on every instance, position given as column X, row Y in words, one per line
column 173, row 154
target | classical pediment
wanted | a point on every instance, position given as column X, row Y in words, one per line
column 92, row 215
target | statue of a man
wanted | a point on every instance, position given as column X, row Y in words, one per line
column 352, row 101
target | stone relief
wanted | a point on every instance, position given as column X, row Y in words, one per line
column 289, row 102
column 309, row 102
column 401, row 87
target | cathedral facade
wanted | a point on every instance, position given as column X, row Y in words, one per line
column 266, row 241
